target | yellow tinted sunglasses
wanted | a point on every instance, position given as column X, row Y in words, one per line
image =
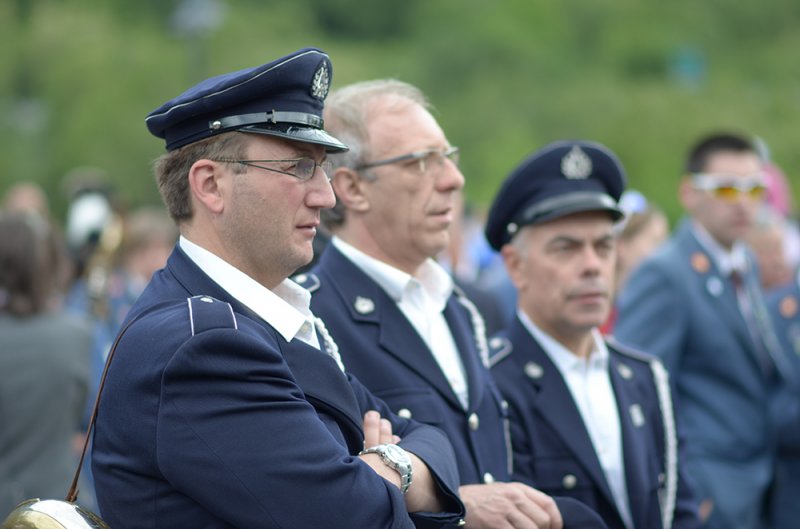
column 730, row 188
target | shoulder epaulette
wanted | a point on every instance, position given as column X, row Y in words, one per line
column 206, row 313
column 499, row 348
column 308, row 281
column 630, row 352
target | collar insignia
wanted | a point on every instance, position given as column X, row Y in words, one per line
column 700, row 263
column 788, row 307
column 364, row 305
column 534, row 370
column 576, row 165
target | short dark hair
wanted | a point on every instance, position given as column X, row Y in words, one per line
column 712, row 144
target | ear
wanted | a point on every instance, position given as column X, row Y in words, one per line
column 205, row 185
column 350, row 189
column 514, row 262
column 687, row 194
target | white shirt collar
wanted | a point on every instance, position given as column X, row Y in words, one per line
column 433, row 279
column 726, row 261
column 286, row 308
column 564, row 359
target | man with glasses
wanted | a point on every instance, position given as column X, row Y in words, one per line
column 697, row 305
column 226, row 404
column 402, row 327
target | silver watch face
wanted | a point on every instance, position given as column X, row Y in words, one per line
column 397, row 454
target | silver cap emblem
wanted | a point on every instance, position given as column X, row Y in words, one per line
column 321, row 82
column 364, row 305
column 576, row 165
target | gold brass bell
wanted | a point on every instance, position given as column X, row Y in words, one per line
column 51, row 514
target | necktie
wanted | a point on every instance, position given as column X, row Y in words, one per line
column 754, row 311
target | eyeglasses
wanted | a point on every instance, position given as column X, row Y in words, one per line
column 301, row 168
column 428, row 158
column 730, row 189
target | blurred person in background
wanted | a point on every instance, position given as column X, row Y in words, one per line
column 44, row 361
column 26, row 197
column 697, row 304
column 589, row 419
column 643, row 229
column 767, row 240
column 784, row 508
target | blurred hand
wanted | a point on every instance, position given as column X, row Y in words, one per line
column 509, row 506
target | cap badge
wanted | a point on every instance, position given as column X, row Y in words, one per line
column 576, row 165
column 364, row 305
column 321, row 82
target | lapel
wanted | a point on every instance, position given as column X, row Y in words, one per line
column 316, row 373
column 718, row 290
column 634, row 438
column 458, row 319
column 397, row 337
column 555, row 405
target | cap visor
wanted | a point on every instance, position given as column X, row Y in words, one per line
column 301, row 134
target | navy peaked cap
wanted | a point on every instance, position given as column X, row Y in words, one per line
column 562, row 178
column 283, row 98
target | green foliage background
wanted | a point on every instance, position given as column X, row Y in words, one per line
column 644, row 77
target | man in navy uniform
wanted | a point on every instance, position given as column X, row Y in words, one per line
column 226, row 404
column 697, row 305
column 402, row 327
column 784, row 308
column 589, row 419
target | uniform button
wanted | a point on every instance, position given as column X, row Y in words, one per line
column 405, row 413
column 462, row 522
column 504, row 405
column 569, row 481
column 473, row 421
column 488, row 478
column 661, row 478
column 207, row 299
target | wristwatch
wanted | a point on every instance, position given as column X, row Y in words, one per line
column 395, row 458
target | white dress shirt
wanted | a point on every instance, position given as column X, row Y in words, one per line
column 286, row 308
column 590, row 385
column 422, row 299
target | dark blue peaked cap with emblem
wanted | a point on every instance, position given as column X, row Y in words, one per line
column 283, row 98
column 560, row 179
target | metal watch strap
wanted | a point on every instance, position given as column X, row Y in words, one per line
column 386, row 451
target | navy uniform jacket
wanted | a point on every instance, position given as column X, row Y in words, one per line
column 381, row 347
column 784, row 306
column 211, row 419
column 679, row 307
column 552, row 447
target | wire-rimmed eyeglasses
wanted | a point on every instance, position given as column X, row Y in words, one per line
column 427, row 158
column 301, row 168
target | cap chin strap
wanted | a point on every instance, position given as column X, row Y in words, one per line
column 260, row 118
column 545, row 207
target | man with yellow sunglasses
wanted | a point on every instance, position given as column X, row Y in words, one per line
column 697, row 304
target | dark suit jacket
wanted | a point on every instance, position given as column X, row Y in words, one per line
column 679, row 307
column 552, row 447
column 211, row 419
column 381, row 347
